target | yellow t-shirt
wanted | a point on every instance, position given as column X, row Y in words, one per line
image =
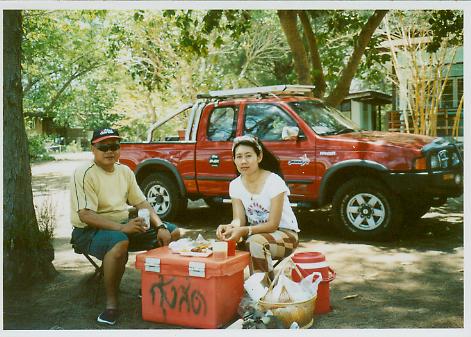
column 107, row 193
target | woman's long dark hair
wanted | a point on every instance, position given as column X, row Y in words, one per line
column 269, row 161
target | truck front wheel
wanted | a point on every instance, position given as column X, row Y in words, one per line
column 365, row 209
column 162, row 193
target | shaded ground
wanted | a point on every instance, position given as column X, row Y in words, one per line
column 415, row 282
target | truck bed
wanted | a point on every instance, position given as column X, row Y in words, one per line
column 179, row 154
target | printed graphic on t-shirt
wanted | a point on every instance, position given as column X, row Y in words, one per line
column 257, row 214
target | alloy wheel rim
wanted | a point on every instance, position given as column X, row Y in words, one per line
column 159, row 198
column 365, row 211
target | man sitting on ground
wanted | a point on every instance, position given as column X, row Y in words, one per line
column 101, row 192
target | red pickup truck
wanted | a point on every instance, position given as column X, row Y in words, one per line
column 375, row 181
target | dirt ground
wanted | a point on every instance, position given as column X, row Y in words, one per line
column 415, row 282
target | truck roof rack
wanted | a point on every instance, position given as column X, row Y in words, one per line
column 260, row 91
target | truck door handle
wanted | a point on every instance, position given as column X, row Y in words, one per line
column 214, row 160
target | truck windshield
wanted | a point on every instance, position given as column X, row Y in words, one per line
column 324, row 120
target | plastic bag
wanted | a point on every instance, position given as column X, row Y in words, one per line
column 201, row 240
column 310, row 286
column 294, row 289
column 184, row 244
column 286, row 290
column 256, row 286
column 187, row 244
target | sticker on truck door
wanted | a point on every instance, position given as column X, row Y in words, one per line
column 303, row 160
column 214, row 160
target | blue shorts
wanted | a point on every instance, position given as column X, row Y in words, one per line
column 98, row 242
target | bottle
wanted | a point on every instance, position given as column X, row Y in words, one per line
column 144, row 213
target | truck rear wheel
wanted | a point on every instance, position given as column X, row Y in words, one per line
column 162, row 193
column 365, row 209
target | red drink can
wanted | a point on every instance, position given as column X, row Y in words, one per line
column 231, row 247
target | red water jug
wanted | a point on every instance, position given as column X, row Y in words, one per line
column 309, row 262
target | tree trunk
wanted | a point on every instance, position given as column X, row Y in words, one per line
column 27, row 253
column 343, row 85
column 316, row 63
column 288, row 24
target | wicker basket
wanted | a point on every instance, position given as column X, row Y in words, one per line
column 287, row 313
column 299, row 312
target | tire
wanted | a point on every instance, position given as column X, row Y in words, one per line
column 162, row 193
column 365, row 209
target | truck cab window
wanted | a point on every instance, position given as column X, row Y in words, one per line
column 266, row 121
column 222, row 124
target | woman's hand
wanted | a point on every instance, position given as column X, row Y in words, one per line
column 234, row 233
column 222, row 230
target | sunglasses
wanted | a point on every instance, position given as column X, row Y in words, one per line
column 107, row 147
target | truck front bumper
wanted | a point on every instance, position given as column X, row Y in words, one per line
column 436, row 184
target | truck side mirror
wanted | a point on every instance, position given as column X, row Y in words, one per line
column 290, row 133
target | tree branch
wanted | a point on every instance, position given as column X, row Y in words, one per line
column 342, row 89
column 288, row 24
column 316, row 63
column 75, row 75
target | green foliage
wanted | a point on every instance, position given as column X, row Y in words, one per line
column 64, row 56
column 89, row 105
column 196, row 27
column 46, row 215
column 446, row 24
column 130, row 68
column 133, row 129
column 37, row 147
column 73, row 146
column 440, row 27
column 335, row 32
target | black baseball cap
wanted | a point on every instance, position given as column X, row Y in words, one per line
column 102, row 134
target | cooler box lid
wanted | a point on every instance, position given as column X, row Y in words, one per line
column 162, row 260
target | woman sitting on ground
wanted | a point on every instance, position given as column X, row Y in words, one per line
column 261, row 210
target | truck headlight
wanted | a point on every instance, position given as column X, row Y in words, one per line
column 434, row 161
column 455, row 159
column 443, row 158
column 439, row 160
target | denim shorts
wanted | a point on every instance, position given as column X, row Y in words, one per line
column 98, row 242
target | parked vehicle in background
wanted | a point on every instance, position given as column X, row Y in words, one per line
column 375, row 181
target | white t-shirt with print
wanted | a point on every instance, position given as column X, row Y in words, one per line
column 257, row 206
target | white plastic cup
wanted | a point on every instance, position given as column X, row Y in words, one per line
column 144, row 213
column 220, row 249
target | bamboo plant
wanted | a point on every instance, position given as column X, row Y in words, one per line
column 420, row 76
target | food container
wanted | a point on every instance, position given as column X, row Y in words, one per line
column 196, row 292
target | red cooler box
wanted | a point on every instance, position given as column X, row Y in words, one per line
column 197, row 292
